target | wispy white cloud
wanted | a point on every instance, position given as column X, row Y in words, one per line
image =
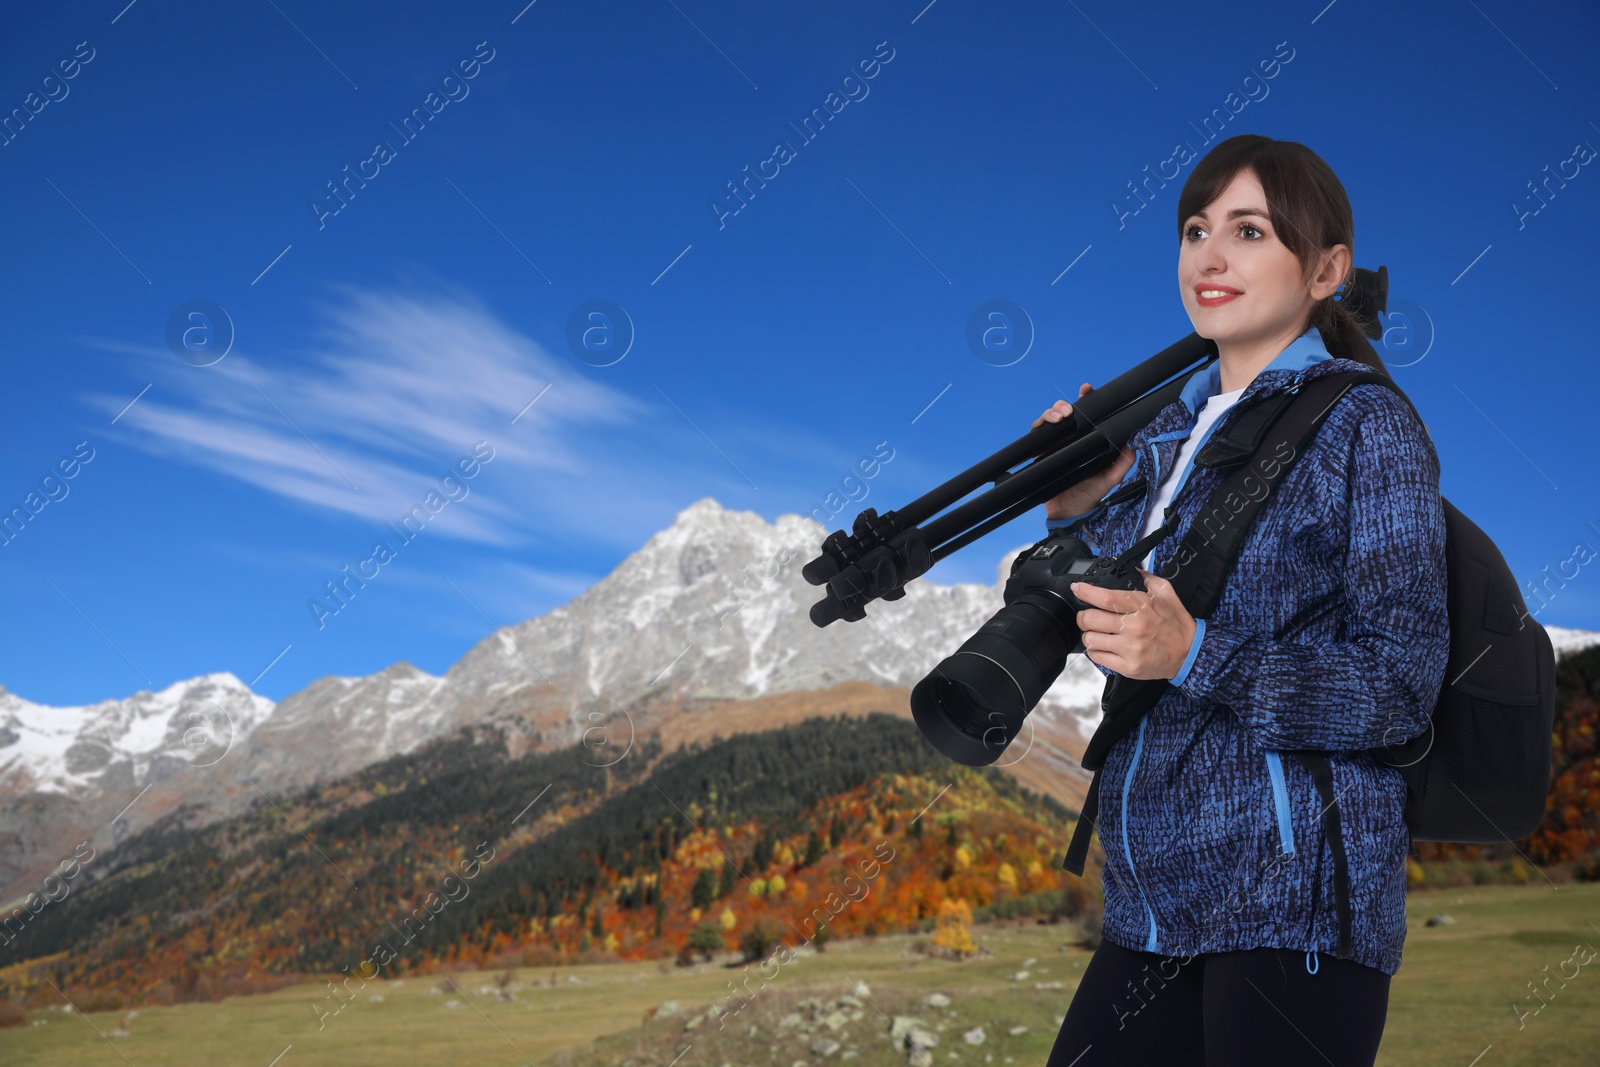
column 393, row 387
column 365, row 422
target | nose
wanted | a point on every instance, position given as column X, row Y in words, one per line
column 1207, row 257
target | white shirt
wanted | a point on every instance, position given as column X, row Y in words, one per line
column 1210, row 411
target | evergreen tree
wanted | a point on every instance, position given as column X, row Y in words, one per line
column 726, row 885
column 757, row 941
column 813, row 850
column 762, row 856
column 705, row 939
column 700, row 895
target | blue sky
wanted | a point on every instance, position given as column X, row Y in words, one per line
column 374, row 346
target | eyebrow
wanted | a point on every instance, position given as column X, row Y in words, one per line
column 1237, row 212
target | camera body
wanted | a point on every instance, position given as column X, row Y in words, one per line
column 1054, row 564
column 974, row 702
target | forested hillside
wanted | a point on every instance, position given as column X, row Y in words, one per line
column 458, row 853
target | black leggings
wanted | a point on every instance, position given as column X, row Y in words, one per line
column 1260, row 1006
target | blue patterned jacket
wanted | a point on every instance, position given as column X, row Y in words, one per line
column 1331, row 633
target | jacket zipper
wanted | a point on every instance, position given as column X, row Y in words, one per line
column 1138, row 744
column 1280, row 800
column 1127, row 852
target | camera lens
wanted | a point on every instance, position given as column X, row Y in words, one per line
column 974, row 702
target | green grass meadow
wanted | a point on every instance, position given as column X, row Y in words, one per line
column 1451, row 1003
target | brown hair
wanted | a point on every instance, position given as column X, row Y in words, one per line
column 1309, row 211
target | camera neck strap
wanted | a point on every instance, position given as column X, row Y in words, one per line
column 1141, row 547
column 1262, row 443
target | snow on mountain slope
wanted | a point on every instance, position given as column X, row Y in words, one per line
column 141, row 738
column 715, row 606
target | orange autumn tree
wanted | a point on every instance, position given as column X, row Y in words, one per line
column 953, row 929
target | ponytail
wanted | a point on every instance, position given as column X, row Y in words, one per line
column 1342, row 333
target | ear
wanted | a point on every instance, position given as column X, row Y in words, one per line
column 1331, row 270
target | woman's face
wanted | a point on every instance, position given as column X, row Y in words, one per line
column 1230, row 247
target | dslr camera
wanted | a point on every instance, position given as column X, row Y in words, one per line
column 972, row 704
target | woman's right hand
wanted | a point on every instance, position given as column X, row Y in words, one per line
column 1087, row 493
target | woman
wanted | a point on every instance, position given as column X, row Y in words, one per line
column 1226, row 938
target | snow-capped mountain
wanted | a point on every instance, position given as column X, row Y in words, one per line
column 67, row 773
column 715, row 606
column 144, row 738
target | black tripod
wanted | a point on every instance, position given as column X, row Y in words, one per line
column 884, row 552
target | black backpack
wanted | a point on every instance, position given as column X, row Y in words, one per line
column 1481, row 771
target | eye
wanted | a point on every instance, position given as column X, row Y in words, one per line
column 1190, row 231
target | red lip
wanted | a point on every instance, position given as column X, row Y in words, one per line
column 1217, row 301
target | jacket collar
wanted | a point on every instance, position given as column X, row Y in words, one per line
column 1302, row 353
column 1305, row 357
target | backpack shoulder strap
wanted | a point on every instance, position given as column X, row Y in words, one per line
column 1263, row 443
column 1243, row 439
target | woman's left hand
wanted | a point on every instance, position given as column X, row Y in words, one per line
column 1137, row 635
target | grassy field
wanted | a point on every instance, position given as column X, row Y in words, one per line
column 1451, row 1001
